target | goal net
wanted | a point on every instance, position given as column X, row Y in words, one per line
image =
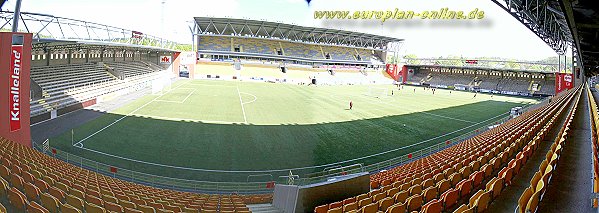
column 377, row 92
column 161, row 85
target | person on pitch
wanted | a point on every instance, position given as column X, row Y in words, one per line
column 351, row 105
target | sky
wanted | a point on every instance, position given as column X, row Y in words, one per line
column 497, row 35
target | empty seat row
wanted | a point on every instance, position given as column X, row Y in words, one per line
column 39, row 183
column 134, row 68
column 474, row 171
column 77, row 87
column 288, row 48
column 530, row 198
column 488, row 82
column 594, row 110
column 216, row 43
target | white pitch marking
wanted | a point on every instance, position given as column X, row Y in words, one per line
column 245, row 120
column 80, row 143
column 188, row 96
column 187, row 119
column 457, row 119
column 179, row 102
column 212, row 85
column 255, row 98
column 176, row 102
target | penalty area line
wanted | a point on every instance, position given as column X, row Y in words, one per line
column 188, row 96
column 80, row 143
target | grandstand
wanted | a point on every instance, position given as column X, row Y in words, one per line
column 513, row 82
column 301, row 50
column 217, row 41
column 233, row 44
column 75, row 75
column 36, row 182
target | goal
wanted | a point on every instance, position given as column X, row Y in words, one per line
column 161, row 85
column 377, row 92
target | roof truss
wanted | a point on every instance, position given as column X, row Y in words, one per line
column 275, row 30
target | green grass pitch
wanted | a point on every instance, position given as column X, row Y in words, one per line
column 226, row 125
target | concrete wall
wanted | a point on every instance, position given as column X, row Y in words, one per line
column 48, row 57
column 78, row 57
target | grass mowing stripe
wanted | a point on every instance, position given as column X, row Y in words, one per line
column 289, row 126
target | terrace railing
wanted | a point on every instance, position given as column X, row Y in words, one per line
column 44, row 26
column 245, row 182
column 528, row 66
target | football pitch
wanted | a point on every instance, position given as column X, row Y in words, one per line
column 212, row 130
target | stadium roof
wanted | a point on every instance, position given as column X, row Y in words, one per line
column 485, row 64
column 48, row 28
column 66, row 44
column 562, row 23
column 543, row 18
column 583, row 20
column 255, row 28
column 481, row 68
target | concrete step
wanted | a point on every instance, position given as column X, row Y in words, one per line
column 264, row 208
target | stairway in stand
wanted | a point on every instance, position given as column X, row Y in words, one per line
column 263, row 208
column 42, row 101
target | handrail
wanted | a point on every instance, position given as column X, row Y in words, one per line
column 594, row 112
column 54, row 27
column 260, row 175
column 570, row 109
column 335, row 168
column 263, row 187
column 160, row 181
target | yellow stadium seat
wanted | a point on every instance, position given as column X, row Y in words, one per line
column 385, row 203
column 523, row 201
column 2, row 208
column 370, row 208
column 50, row 202
column 532, row 204
column 93, row 208
column 75, row 202
column 66, row 208
column 397, row 208
column 145, row 209
column 414, row 202
column 335, row 210
column 433, row 206
column 17, row 199
column 33, row 207
column 31, row 191
column 364, row 202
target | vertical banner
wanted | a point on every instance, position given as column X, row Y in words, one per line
column 404, row 73
column 392, row 70
column 563, row 81
column 568, row 81
column 395, row 75
column 388, row 69
column 14, row 104
column 15, row 64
